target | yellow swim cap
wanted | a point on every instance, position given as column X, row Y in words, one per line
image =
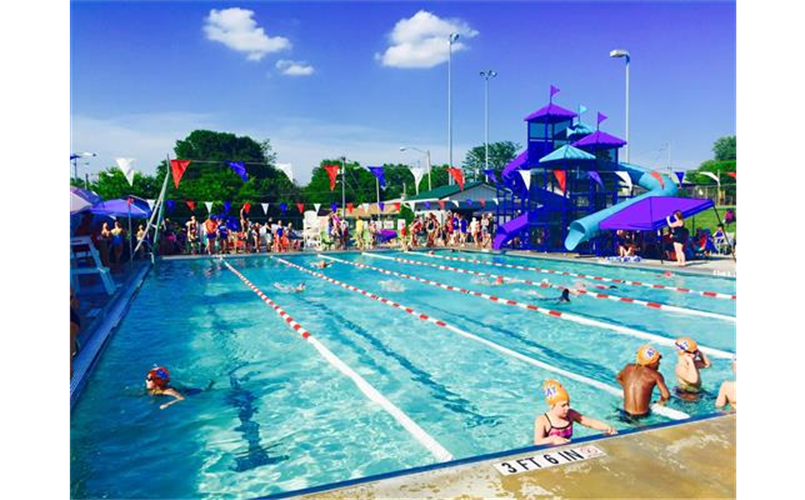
column 686, row 344
column 554, row 392
column 647, row 355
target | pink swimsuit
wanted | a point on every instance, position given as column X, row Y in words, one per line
column 565, row 432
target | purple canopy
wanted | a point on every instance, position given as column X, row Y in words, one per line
column 82, row 199
column 599, row 140
column 385, row 235
column 550, row 114
column 649, row 214
column 120, row 208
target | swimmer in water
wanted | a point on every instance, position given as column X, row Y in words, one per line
column 728, row 390
column 322, row 264
column 690, row 361
column 157, row 383
column 290, row 289
column 556, row 425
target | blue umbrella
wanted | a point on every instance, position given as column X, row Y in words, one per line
column 121, row 208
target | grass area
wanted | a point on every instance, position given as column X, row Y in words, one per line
column 707, row 219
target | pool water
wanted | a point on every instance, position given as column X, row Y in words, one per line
column 266, row 413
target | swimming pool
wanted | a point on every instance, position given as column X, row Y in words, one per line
column 270, row 412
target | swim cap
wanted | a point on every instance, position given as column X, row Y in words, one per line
column 554, row 392
column 647, row 355
column 686, row 344
column 160, row 376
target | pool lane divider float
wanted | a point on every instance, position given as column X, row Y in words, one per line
column 433, row 446
column 586, row 293
column 714, row 295
column 660, row 410
column 575, row 318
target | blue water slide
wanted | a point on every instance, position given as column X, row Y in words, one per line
column 583, row 229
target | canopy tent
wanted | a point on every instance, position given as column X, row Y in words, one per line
column 649, row 214
column 82, row 199
column 121, row 208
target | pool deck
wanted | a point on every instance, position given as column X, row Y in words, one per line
column 689, row 460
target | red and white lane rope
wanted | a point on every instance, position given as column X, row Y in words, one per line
column 667, row 412
column 426, row 440
column 718, row 353
column 715, row 295
column 545, row 284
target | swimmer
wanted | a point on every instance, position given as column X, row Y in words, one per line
column 392, row 286
column 555, row 427
column 690, row 361
column 564, row 297
column 638, row 381
column 290, row 289
column 490, row 282
column 728, row 390
column 322, row 264
column 157, row 383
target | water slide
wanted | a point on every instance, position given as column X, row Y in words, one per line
column 585, row 228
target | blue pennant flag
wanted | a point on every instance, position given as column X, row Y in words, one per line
column 491, row 174
column 597, row 178
column 381, row 205
column 427, row 205
column 239, row 169
column 227, row 206
column 378, row 172
column 169, row 204
column 333, row 206
column 469, row 202
column 681, row 176
column 283, row 207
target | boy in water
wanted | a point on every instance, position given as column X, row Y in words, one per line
column 728, row 390
column 157, row 382
column 638, row 381
column 556, row 425
column 690, row 361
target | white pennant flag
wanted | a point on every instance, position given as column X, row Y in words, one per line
column 208, row 204
column 287, row 168
column 625, row 178
column 317, row 206
column 125, row 165
column 712, row 176
column 418, row 173
column 526, row 175
column 495, row 200
column 150, row 204
column 365, row 207
column 411, row 205
column 454, row 202
column 265, row 208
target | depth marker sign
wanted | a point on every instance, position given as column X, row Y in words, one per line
column 546, row 460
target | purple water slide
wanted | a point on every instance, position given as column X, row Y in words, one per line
column 509, row 230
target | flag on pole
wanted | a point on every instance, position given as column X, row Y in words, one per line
column 265, row 208
column 659, row 178
column 526, row 175
column 239, row 169
column 317, row 206
column 582, row 110
column 284, row 208
column 208, row 204
column 624, row 176
column 125, row 166
column 178, row 168
column 191, row 205
column 597, row 178
column 495, row 200
column 554, row 91
column 601, row 117
column 301, row 207
column 491, row 174
column 332, row 171
column 378, row 173
column 411, row 205
column 454, row 202
column 561, row 178
column 457, row 174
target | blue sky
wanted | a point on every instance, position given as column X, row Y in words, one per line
column 322, row 79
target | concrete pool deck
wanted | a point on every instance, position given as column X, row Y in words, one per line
column 689, row 460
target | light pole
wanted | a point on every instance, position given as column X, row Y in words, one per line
column 75, row 156
column 486, row 75
column 451, row 39
column 426, row 153
column 625, row 54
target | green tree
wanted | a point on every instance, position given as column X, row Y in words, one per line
column 112, row 184
column 725, row 148
column 500, row 154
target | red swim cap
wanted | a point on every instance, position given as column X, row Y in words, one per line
column 160, row 376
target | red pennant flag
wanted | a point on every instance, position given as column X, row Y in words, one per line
column 483, row 203
column 332, row 171
column 349, row 207
column 177, row 168
column 247, row 207
column 441, row 204
column 657, row 176
column 561, row 179
column 301, row 207
column 397, row 206
column 732, row 174
column 458, row 175
column 191, row 205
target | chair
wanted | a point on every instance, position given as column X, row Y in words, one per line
column 724, row 242
column 81, row 247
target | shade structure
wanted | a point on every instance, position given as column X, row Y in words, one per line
column 566, row 153
column 599, row 140
column 121, row 208
column 649, row 214
column 550, row 114
column 82, row 199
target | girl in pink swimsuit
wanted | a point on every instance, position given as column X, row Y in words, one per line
column 556, row 425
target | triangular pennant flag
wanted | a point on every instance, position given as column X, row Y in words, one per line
column 526, row 175
column 333, row 206
column 208, row 204
column 239, row 169
column 554, row 91
column 350, row 207
column 378, row 173
column 561, row 178
column 284, row 208
column 365, row 207
column 457, row 174
column 227, row 206
column 169, row 204
column 397, row 206
column 681, row 177
column 712, row 176
column 191, row 205
column 601, row 117
column 491, row 174
column 411, row 205
column 247, row 207
column 178, row 168
column 625, row 178
column 332, row 172
column 317, row 206
column 381, row 205
column 301, row 207
column 731, row 174
column 150, row 204
column 469, row 202
column 441, row 204
column 454, row 202
column 418, row 173
column 125, row 165
column 287, row 169
column 483, row 202
column 582, row 110
column 427, row 205
column 597, row 178
column 265, row 208
column 659, row 178
column 495, row 200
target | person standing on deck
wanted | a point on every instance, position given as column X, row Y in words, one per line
column 638, row 381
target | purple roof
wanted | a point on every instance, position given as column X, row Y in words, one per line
column 649, row 213
column 600, row 140
column 550, row 114
column 515, row 164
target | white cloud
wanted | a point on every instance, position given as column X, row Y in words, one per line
column 236, row 29
column 294, row 68
column 421, row 41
